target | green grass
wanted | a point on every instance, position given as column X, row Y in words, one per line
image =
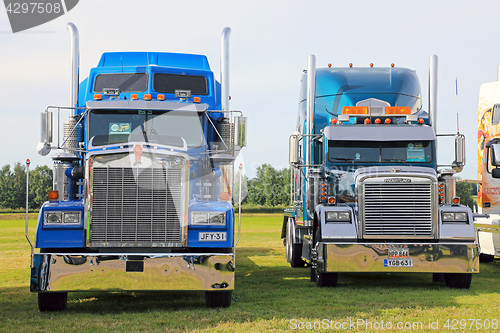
column 269, row 295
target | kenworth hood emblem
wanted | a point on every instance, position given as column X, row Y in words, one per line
column 397, row 180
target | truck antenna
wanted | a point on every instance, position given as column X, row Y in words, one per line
column 456, row 94
column 124, row 93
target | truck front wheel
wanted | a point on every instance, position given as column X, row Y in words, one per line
column 52, row 301
column 293, row 250
column 218, row 299
column 458, row 280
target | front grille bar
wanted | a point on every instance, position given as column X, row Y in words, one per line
column 136, row 207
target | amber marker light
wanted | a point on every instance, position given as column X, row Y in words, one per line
column 350, row 65
column 160, row 97
column 397, row 110
column 147, row 97
column 334, row 121
column 367, row 120
column 371, row 65
column 392, row 65
column 53, row 195
column 196, row 99
column 224, row 196
column 378, row 121
column 355, row 110
column 134, row 96
column 331, row 200
column 97, row 97
column 387, row 120
column 455, row 200
column 329, row 65
column 420, row 121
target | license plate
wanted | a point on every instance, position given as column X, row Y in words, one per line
column 398, row 262
column 212, row 237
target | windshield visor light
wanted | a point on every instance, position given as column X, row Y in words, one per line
column 343, row 216
column 355, row 110
column 452, row 217
column 397, row 110
column 62, row 218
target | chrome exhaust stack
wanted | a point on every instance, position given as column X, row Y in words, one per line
column 224, row 69
column 433, row 80
column 310, row 172
column 75, row 64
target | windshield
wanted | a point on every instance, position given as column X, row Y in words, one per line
column 162, row 127
column 380, row 151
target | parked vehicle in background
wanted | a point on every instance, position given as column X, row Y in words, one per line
column 488, row 137
column 368, row 195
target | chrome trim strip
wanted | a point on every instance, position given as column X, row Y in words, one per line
column 369, row 257
column 108, row 271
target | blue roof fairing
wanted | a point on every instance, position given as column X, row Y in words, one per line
column 151, row 63
column 339, row 87
column 174, row 60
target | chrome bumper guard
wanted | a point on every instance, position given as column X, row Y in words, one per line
column 429, row 258
column 131, row 272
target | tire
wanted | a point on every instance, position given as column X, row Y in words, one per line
column 52, row 301
column 486, row 258
column 326, row 279
column 218, row 299
column 293, row 250
column 458, row 280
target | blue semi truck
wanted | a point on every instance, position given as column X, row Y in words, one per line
column 367, row 192
column 143, row 180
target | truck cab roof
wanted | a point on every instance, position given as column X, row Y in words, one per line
column 119, row 75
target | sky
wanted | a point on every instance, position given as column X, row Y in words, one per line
column 269, row 46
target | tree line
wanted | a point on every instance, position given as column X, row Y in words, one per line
column 13, row 186
column 269, row 187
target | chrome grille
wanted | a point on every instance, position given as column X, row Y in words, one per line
column 136, row 207
column 398, row 210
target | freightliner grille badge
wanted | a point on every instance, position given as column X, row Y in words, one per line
column 397, row 180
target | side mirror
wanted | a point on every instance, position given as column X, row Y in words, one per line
column 495, row 173
column 240, row 133
column 46, row 127
column 293, row 148
column 495, row 154
column 44, row 146
column 459, row 162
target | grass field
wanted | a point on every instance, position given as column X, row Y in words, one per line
column 269, row 296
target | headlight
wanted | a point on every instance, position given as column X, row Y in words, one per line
column 199, row 218
column 208, row 218
column 53, row 218
column 454, row 217
column 218, row 218
column 62, row 218
column 343, row 216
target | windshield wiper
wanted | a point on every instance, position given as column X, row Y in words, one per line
column 342, row 159
column 395, row 160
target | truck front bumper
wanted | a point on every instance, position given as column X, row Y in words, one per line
column 131, row 272
column 368, row 257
